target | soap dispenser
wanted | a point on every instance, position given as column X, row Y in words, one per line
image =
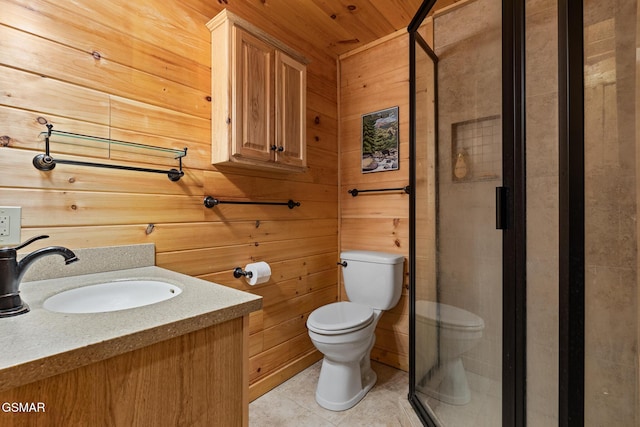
column 461, row 167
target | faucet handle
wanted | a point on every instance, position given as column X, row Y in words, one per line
column 31, row 240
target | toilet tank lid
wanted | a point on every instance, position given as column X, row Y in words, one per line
column 372, row 256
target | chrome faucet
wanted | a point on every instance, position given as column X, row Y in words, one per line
column 12, row 271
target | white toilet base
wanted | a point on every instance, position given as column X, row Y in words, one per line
column 447, row 383
column 342, row 385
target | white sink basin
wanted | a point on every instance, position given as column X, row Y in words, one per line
column 111, row 296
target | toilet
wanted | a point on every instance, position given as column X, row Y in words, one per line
column 344, row 331
column 445, row 334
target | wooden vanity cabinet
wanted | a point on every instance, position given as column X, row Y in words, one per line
column 258, row 90
column 197, row 379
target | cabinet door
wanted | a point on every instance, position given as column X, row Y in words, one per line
column 291, row 95
column 254, row 109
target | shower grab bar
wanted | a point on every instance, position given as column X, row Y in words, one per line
column 210, row 202
column 354, row 191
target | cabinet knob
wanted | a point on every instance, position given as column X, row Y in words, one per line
column 274, row 147
column 281, row 148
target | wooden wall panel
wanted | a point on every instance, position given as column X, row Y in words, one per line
column 82, row 68
column 60, row 22
column 140, row 71
column 371, row 79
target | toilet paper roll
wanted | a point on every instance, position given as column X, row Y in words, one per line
column 260, row 273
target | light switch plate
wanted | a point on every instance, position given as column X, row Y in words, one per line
column 10, row 225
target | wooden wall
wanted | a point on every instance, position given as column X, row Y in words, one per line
column 139, row 71
column 371, row 79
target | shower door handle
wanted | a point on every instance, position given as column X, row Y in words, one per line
column 501, row 208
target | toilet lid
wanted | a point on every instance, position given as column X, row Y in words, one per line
column 448, row 316
column 340, row 318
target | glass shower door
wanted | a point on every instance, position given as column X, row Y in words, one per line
column 457, row 261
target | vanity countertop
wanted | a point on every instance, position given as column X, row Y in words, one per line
column 41, row 343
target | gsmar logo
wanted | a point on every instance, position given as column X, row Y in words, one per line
column 23, row 407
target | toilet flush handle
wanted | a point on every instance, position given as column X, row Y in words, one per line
column 343, row 263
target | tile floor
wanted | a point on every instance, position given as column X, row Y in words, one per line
column 293, row 403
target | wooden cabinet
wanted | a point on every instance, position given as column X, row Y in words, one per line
column 197, row 379
column 258, row 88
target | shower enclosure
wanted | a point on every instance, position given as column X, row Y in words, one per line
column 458, row 172
column 523, row 263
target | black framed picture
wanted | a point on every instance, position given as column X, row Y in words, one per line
column 380, row 147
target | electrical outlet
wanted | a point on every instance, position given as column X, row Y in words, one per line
column 10, row 225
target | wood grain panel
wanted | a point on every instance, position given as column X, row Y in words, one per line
column 22, row 128
column 292, row 288
column 324, row 105
column 141, row 117
column 174, row 26
column 376, row 221
column 278, row 289
column 21, row 50
column 376, row 205
column 285, row 310
column 171, row 237
column 358, row 14
column 399, row 14
column 256, row 340
column 285, row 331
column 84, row 208
column 52, row 21
column 325, row 86
column 357, row 72
column 267, row 189
column 390, row 233
column 196, row 380
column 203, row 261
column 278, row 356
column 34, row 92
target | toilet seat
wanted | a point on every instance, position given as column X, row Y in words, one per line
column 340, row 318
column 448, row 316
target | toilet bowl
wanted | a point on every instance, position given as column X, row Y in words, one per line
column 447, row 332
column 344, row 331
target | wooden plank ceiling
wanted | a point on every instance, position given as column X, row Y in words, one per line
column 338, row 26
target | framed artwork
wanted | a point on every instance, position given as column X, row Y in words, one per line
column 380, row 141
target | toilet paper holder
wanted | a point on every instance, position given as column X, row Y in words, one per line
column 238, row 272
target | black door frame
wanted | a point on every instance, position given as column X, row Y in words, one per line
column 416, row 38
column 514, row 238
column 571, row 213
column 514, row 230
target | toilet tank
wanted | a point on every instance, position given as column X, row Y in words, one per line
column 373, row 278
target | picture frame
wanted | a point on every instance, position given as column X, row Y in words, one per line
column 380, row 141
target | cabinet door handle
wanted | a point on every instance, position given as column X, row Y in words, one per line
column 274, row 147
column 281, row 148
